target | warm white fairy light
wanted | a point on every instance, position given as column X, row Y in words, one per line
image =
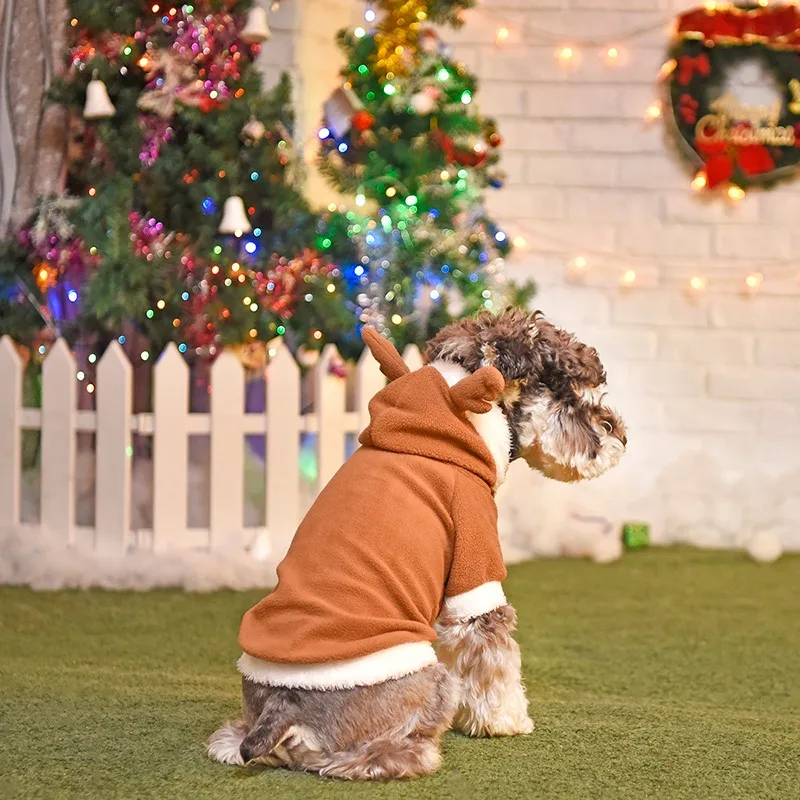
column 736, row 192
column 697, row 283
column 653, row 111
column 612, row 55
column 667, row 68
column 753, row 282
column 566, row 54
column 519, row 242
column 629, row 277
column 580, row 263
column 502, row 34
column 700, row 181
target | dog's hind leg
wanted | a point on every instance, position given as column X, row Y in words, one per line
column 405, row 743
column 483, row 657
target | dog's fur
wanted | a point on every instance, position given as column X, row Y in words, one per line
column 552, row 415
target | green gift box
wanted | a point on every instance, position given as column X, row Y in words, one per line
column 636, row 535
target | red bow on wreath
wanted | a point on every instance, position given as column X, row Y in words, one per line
column 722, row 158
column 688, row 65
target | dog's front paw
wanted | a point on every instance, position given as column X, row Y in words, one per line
column 527, row 726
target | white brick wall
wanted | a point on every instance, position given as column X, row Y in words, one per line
column 709, row 385
column 716, row 374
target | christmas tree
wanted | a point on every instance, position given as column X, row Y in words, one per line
column 403, row 136
column 181, row 218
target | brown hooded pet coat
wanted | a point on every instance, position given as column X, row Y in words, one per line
column 408, row 524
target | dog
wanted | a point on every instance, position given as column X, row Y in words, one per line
column 339, row 676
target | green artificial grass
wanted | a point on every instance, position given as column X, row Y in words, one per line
column 670, row 674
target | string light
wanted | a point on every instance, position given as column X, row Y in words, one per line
column 580, row 263
column 361, row 199
column 700, row 181
column 735, row 192
column 753, row 282
column 629, row 277
column 519, row 242
column 90, row 388
column 566, row 54
column 359, row 33
column 697, row 284
column 396, row 319
column 502, row 35
column 391, row 191
column 612, row 55
column 653, row 111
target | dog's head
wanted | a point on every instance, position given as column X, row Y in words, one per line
column 554, row 397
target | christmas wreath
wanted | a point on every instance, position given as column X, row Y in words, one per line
column 730, row 142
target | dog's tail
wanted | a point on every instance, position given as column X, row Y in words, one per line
column 272, row 727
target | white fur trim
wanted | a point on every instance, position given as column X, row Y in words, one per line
column 385, row 665
column 492, row 426
column 475, row 602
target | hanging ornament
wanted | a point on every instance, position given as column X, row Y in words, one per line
column 98, row 104
column 362, row 120
column 429, row 41
column 496, row 178
column 424, row 102
column 253, row 131
column 169, row 80
column 256, row 29
column 343, row 111
column 454, row 154
column 234, row 218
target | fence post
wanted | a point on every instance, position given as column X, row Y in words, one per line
column 114, row 451
column 283, row 448
column 329, row 407
column 369, row 381
column 58, row 444
column 227, row 452
column 10, row 434
column 170, row 449
column 413, row 357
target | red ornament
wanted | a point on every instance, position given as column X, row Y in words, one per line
column 457, row 155
column 495, row 140
column 362, row 120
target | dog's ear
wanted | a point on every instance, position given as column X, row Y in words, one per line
column 390, row 361
column 478, row 391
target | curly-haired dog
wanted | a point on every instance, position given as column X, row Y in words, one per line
column 339, row 673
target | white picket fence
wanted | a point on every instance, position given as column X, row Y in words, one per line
column 170, row 424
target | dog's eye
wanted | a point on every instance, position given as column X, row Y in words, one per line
column 608, row 426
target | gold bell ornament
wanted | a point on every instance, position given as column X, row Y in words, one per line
column 256, row 29
column 98, row 104
column 234, row 218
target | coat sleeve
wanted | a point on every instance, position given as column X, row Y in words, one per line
column 474, row 585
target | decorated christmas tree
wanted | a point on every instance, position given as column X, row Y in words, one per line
column 403, row 136
column 181, row 218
